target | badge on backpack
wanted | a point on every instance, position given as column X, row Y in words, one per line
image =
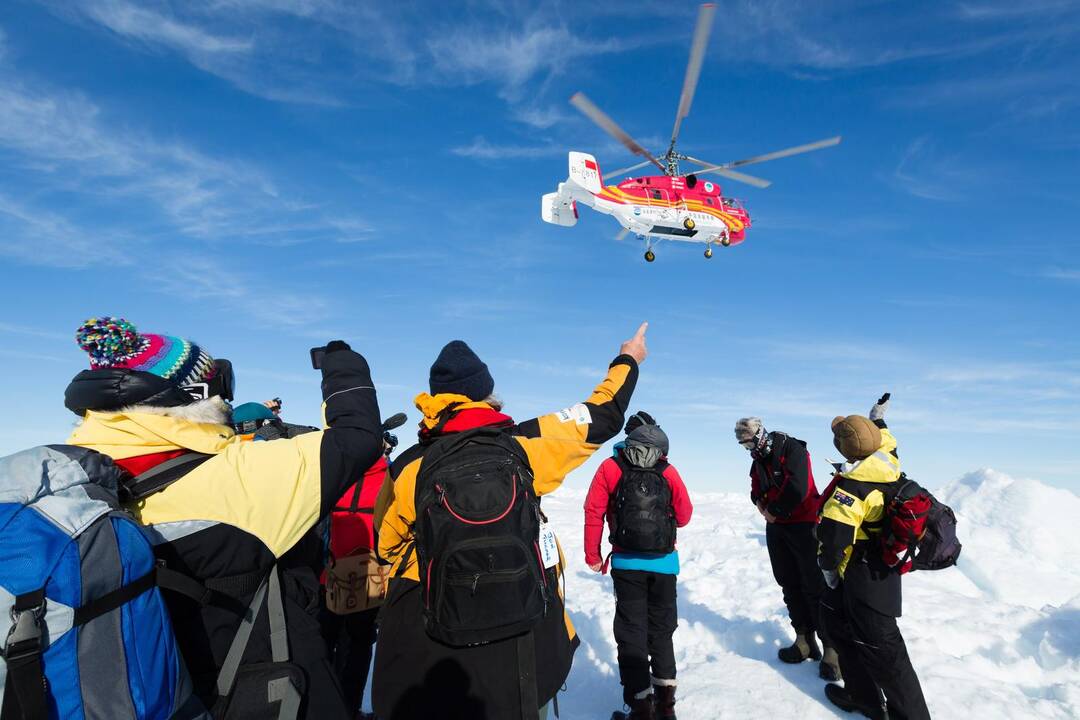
column 549, row 546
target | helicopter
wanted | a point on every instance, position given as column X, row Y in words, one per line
column 671, row 206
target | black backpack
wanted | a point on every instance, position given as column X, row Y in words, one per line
column 477, row 540
column 642, row 518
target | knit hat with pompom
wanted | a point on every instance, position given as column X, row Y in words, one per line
column 113, row 342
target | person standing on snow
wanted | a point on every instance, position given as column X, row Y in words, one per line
column 862, row 601
column 643, row 499
column 783, row 490
column 419, row 677
column 156, row 402
column 355, row 580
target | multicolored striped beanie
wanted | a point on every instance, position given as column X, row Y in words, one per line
column 114, row 342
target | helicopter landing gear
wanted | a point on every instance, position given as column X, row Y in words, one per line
column 689, row 223
column 649, row 255
column 725, row 240
column 708, row 252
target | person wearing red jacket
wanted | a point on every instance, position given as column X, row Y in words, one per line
column 646, row 613
column 783, row 490
column 352, row 637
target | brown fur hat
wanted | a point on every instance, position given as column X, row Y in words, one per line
column 856, row 437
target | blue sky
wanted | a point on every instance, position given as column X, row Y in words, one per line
column 264, row 175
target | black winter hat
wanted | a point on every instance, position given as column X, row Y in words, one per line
column 458, row 370
column 637, row 420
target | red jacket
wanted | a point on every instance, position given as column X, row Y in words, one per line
column 351, row 532
column 599, row 498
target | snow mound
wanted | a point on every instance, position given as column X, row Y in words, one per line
column 997, row 637
column 1020, row 545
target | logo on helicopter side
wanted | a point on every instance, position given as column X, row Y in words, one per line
column 708, row 187
column 637, row 210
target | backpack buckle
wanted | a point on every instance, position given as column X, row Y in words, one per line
column 24, row 637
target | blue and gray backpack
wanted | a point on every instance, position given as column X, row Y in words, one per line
column 84, row 631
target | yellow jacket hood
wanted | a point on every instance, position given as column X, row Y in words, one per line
column 433, row 406
column 881, row 467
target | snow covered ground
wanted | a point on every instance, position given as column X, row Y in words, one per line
column 996, row 637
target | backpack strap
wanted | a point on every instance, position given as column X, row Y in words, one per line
column 161, row 476
column 526, row 661
column 405, row 559
column 25, row 689
column 269, row 592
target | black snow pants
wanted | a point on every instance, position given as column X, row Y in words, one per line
column 873, row 656
column 351, row 641
column 793, row 554
column 646, row 616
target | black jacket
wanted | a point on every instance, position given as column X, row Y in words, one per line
column 784, row 481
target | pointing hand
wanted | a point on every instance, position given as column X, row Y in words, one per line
column 635, row 346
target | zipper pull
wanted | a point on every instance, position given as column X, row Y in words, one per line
column 475, row 580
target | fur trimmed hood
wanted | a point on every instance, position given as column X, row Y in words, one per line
column 211, row 411
column 142, row 431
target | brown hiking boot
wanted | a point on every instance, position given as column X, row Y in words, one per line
column 805, row 647
column 664, row 701
column 642, row 709
column 829, row 667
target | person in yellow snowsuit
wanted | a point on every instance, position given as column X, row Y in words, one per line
column 417, row 677
column 862, row 601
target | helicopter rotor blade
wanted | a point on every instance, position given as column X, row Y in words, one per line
column 797, row 150
column 598, row 116
column 693, row 66
column 702, row 163
column 627, row 170
column 741, row 177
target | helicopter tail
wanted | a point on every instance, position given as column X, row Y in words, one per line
column 585, row 172
column 559, row 208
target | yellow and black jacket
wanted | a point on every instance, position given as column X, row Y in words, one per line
column 408, row 664
column 852, row 518
column 235, row 515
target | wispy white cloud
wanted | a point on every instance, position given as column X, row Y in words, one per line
column 924, row 172
column 68, row 142
column 540, row 117
column 989, row 10
column 204, row 278
column 26, row 355
column 481, row 149
column 42, row 237
column 510, row 58
column 32, row 332
column 553, row 369
column 150, row 26
column 1058, row 273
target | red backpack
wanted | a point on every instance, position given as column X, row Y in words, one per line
column 919, row 531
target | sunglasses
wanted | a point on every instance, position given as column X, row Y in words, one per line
column 222, row 382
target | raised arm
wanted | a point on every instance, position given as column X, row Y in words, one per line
column 278, row 490
column 562, row 441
